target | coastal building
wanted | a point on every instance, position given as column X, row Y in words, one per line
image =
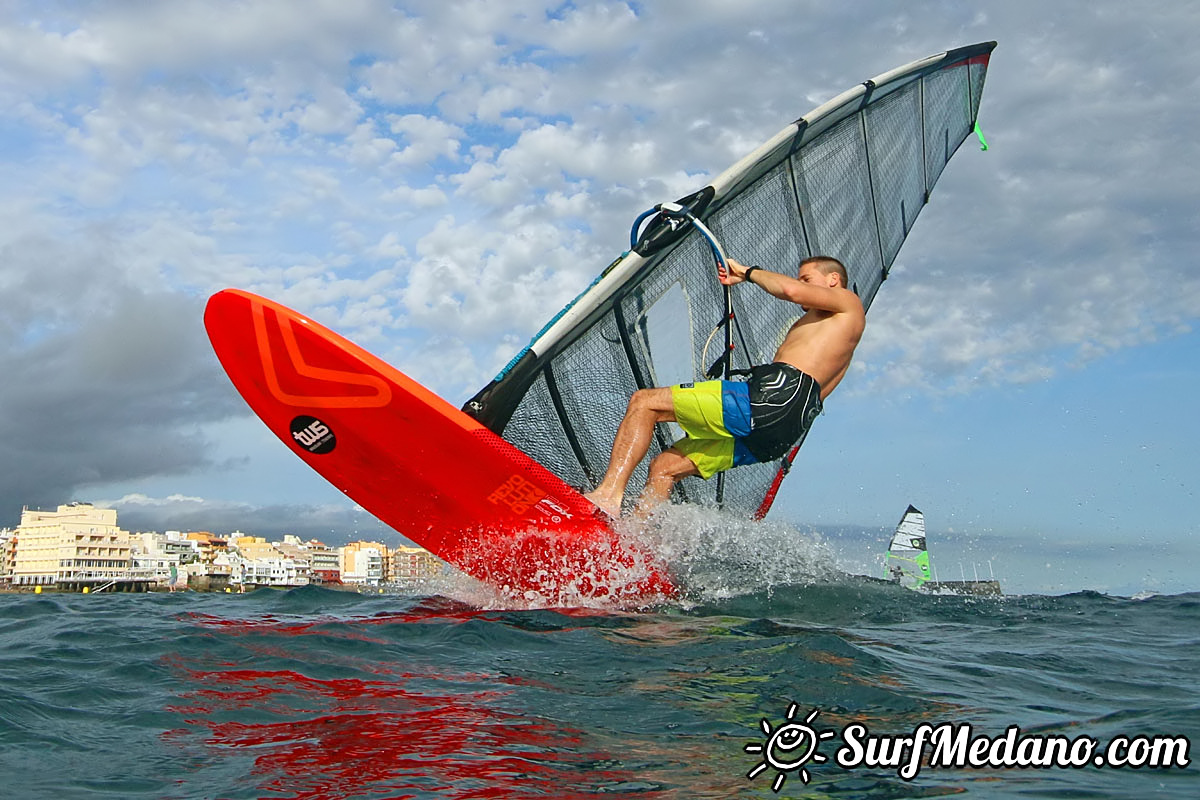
column 218, row 572
column 170, row 546
column 253, row 547
column 8, row 550
column 363, row 563
column 270, row 572
column 385, row 559
column 75, row 544
column 213, row 549
column 412, row 565
column 294, row 548
column 257, row 562
column 161, row 554
column 325, row 563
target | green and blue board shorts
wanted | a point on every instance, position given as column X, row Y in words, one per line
column 731, row 423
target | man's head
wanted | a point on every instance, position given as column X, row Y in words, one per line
column 820, row 268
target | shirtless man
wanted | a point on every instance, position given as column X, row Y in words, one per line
column 731, row 423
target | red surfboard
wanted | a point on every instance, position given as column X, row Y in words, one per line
column 422, row 466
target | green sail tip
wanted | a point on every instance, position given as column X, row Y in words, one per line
column 983, row 145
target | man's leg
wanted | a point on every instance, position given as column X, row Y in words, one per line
column 646, row 408
column 667, row 468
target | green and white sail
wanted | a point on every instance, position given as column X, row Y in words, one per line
column 907, row 556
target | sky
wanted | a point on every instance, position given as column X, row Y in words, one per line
column 436, row 179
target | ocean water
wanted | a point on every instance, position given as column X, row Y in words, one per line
column 313, row 693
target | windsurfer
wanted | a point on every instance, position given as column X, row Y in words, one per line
column 731, row 423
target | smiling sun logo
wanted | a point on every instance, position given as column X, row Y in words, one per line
column 788, row 748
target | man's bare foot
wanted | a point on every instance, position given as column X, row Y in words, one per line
column 605, row 504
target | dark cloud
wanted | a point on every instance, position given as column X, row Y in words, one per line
column 103, row 381
column 334, row 526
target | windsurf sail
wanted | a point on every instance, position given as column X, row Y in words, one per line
column 907, row 556
column 846, row 180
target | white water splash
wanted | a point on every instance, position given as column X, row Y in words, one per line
column 714, row 555
column 711, row 556
column 602, row 583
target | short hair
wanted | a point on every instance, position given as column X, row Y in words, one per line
column 828, row 264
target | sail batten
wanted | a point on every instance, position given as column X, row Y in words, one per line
column 847, row 180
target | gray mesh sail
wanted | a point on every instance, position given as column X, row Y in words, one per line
column 846, row 180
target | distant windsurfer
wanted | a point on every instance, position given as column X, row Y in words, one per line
column 731, row 423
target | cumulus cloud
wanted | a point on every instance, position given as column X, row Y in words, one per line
column 426, row 139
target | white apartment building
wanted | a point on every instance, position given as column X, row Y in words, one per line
column 270, row 572
column 154, row 554
column 362, row 563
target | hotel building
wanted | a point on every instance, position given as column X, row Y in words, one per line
column 76, row 544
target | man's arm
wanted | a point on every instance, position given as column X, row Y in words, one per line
column 785, row 287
